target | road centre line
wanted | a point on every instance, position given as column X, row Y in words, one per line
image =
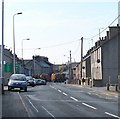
column 53, row 87
column 48, row 112
column 74, row 98
column 60, row 91
column 112, row 115
column 89, row 106
column 89, row 93
column 24, row 104
column 64, row 94
column 32, row 104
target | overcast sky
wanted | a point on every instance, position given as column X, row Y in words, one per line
column 56, row 26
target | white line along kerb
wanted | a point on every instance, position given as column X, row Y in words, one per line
column 32, row 104
column 48, row 112
column 24, row 104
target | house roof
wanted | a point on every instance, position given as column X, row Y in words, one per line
column 44, row 64
column 40, row 63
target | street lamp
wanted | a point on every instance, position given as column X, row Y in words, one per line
column 34, row 60
column 22, row 50
column 2, row 51
column 14, row 62
column 22, row 46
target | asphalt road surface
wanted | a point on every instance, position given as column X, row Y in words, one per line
column 59, row 100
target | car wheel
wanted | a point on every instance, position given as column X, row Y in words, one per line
column 25, row 89
column 9, row 88
column 33, row 85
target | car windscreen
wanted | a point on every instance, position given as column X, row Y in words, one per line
column 18, row 78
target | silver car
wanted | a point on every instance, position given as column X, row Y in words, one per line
column 17, row 81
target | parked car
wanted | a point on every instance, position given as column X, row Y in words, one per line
column 30, row 81
column 17, row 81
column 43, row 82
column 40, row 82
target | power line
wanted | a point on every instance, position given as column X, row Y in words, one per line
column 104, row 29
column 56, row 45
column 66, row 43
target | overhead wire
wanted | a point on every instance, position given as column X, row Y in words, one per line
column 66, row 43
column 56, row 45
column 104, row 28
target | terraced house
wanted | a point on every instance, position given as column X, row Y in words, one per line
column 8, row 64
column 101, row 64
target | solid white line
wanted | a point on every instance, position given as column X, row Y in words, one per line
column 48, row 112
column 74, row 98
column 89, row 106
column 64, row 94
column 60, row 91
column 112, row 115
column 32, row 104
column 24, row 104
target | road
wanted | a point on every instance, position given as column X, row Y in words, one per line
column 59, row 100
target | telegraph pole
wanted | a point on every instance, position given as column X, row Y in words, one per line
column 70, row 68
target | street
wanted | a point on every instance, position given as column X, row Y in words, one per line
column 59, row 100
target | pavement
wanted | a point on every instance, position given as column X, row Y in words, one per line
column 101, row 90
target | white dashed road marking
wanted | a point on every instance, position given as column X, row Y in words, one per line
column 60, row 91
column 89, row 106
column 64, row 94
column 112, row 115
column 74, row 98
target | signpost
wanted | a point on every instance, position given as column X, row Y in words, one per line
column 2, row 51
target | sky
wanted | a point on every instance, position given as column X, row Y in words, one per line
column 55, row 27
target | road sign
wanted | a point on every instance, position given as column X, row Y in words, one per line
column 17, row 67
column 8, row 67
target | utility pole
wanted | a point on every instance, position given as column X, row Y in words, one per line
column 99, row 35
column 81, row 56
column 70, row 68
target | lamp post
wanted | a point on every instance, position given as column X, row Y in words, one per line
column 22, row 52
column 14, row 62
column 2, row 51
column 34, row 60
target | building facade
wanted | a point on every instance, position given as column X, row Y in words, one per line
column 8, row 64
column 101, row 64
column 38, row 66
column 111, row 56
